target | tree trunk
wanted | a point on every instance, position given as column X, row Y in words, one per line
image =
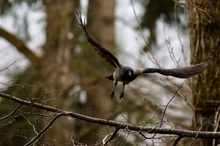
column 101, row 19
column 46, row 81
column 204, row 28
column 56, row 74
column 101, row 16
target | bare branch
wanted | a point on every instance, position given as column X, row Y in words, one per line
column 164, row 112
column 112, row 136
column 177, row 140
column 20, row 46
column 43, row 130
column 29, row 122
column 216, row 123
column 10, row 114
column 7, row 68
column 111, row 123
column 151, row 57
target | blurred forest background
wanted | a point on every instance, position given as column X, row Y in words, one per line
column 45, row 58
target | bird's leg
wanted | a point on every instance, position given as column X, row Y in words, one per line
column 113, row 91
column 122, row 93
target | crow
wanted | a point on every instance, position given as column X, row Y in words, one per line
column 127, row 74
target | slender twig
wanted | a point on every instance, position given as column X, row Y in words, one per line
column 111, row 123
column 165, row 109
column 151, row 56
column 216, row 123
column 112, row 136
column 43, row 130
column 176, row 3
column 10, row 114
column 29, row 122
column 169, row 47
column 7, row 68
column 177, row 140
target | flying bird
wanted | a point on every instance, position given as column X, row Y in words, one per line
column 127, row 74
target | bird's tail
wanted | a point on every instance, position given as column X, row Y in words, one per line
column 110, row 77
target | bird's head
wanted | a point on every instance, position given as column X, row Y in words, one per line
column 127, row 74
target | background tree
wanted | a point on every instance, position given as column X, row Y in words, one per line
column 50, row 77
column 51, row 72
column 204, row 26
column 93, row 70
column 154, row 10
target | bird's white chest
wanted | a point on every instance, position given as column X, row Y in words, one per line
column 116, row 75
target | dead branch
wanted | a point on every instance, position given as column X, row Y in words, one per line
column 7, row 68
column 113, row 135
column 10, row 114
column 43, row 130
column 177, row 140
column 119, row 125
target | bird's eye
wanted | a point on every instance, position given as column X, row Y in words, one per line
column 129, row 73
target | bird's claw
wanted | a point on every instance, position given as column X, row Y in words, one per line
column 112, row 94
column 121, row 96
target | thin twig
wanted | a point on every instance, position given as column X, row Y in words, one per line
column 164, row 112
column 7, row 68
column 29, row 122
column 216, row 123
column 151, row 57
column 177, row 140
column 10, row 114
column 176, row 3
column 43, row 130
column 112, row 136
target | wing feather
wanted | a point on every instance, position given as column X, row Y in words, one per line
column 104, row 53
column 183, row 72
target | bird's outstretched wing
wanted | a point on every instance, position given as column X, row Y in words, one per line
column 104, row 53
column 183, row 72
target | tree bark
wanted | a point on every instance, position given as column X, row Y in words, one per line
column 56, row 74
column 101, row 17
column 45, row 80
column 204, row 29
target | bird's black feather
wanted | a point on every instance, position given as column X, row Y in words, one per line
column 182, row 72
column 104, row 53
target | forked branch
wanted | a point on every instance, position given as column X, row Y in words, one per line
column 117, row 125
